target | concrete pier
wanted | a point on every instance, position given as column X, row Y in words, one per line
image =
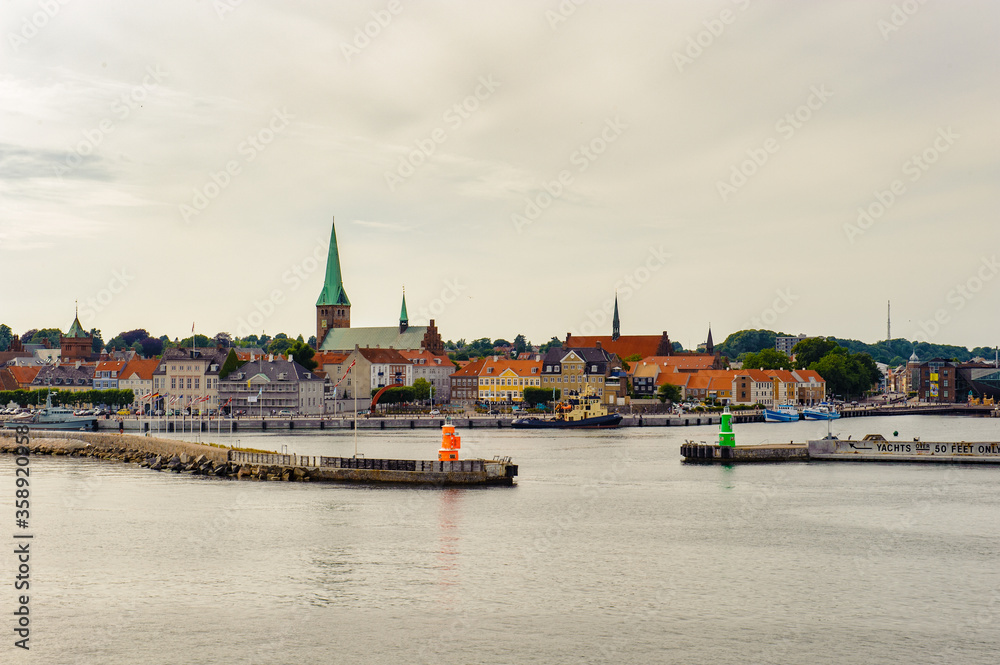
column 782, row 452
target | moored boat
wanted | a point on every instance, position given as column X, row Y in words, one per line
column 820, row 412
column 53, row 417
column 783, row 414
column 575, row 412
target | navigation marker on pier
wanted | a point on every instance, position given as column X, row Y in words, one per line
column 726, row 436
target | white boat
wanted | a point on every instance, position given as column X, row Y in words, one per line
column 820, row 412
column 53, row 417
column 783, row 414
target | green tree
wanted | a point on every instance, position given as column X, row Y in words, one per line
column 767, row 359
column 97, row 345
column 312, row 341
column 520, row 343
column 302, row 353
column 53, row 335
column 200, row 341
column 669, row 391
column 281, row 344
column 847, row 374
column 747, row 341
column 231, row 364
column 535, row 396
column 553, row 343
column 421, row 389
column 628, row 360
column 811, row 350
column 117, row 343
column 6, row 336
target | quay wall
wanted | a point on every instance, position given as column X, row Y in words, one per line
column 107, row 442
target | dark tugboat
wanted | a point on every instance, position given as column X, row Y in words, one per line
column 576, row 411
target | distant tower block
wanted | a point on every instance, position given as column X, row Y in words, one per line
column 450, row 443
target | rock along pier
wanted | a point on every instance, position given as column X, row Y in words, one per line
column 201, row 459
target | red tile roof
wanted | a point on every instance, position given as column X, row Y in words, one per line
column 7, row 380
column 623, row 347
column 141, row 368
column 24, row 375
column 429, row 358
column 329, row 358
column 471, row 368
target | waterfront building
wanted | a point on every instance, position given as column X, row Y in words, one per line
column 811, row 387
column 502, row 381
column 75, row 377
column 465, row 382
column 270, row 385
column 574, row 369
column 436, row 370
column 189, row 379
column 106, row 374
column 753, row 386
column 137, row 376
column 785, row 387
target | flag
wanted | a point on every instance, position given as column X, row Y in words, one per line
column 192, row 326
column 346, row 372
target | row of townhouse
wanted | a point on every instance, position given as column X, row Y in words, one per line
column 499, row 380
column 364, row 370
column 753, row 386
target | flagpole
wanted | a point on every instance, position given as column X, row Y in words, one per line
column 355, row 409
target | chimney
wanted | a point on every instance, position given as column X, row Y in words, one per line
column 78, row 363
column 270, row 358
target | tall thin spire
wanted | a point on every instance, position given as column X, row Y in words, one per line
column 709, row 344
column 404, row 319
column 615, row 323
column 333, row 292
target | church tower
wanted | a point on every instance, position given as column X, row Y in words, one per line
column 615, row 323
column 404, row 319
column 333, row 308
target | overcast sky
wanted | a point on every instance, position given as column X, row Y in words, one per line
column 511, row 164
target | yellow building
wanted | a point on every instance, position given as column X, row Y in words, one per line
column 502, row 380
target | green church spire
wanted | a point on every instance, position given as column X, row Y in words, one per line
column 76, row 330
column 333, row 292
column 404, row 319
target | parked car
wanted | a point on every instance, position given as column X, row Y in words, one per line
column 158, row 412
column 285, row 412
column 435, row 412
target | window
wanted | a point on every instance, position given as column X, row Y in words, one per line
column 173, row 382
column 189, row 382
column 196, row 382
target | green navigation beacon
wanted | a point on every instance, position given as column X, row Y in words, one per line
column 726, row 436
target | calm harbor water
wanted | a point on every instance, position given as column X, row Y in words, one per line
column 609, row 549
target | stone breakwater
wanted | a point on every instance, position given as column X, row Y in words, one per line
column 152, row 453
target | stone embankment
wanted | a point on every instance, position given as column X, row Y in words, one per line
column 151, row 453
